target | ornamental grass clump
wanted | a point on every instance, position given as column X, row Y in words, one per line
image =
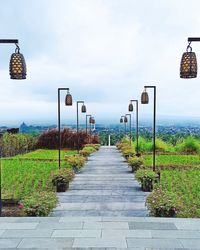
column 39, row 204
column 147, row 178
column 162, row 203
column 76, row 162
column 189, row 146
column 86, row 151
column 95, row 146
column 135, row 163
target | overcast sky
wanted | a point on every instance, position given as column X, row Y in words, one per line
column 105, row 51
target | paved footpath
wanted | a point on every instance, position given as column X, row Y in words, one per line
column 104, row 187
column 107, row 188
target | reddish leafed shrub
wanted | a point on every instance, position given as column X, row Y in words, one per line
column 49, row 139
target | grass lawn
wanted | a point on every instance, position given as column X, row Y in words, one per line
column 46, row 154
column 21, row 177
column 190, row 160
column 181, row 181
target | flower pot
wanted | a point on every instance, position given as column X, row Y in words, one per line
column 147, row 184
column 62, row 187
column 163, row 212
column 76, row 169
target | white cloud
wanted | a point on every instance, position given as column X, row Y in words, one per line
column 104, row 50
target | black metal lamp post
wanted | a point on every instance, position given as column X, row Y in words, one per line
column 17, row 72
column 188, row 67
column 130, row 136
column 83, row 110
column 68, row 102
column 124, row 120
column 145, row 100
column 86, row 124
column 130, row 109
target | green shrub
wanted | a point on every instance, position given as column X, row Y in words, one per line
column 86, row 151
column 135, row 163
column 95, row 146
column 162, row 203
column 77, row 161
column 39, row 204
column 147, row 178
column 128, row 152
column 13, row 144
column 189, row 146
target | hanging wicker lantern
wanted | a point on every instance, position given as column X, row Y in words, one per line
column 130, row 107
column 83, row 109
column 68, row 99
column 125, row 119
column 121, row 120
column 90, row 120
column 17, row 65
column 144, row 97
column 93, row 121
column 188, row 68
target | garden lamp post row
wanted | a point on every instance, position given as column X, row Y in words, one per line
column 68, row 102
column 144, row 100
column 17, row 72
column 124, row 120
column 130, row 109
column 83, row 110
column 130, row 134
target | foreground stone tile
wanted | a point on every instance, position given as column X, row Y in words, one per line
column 9, row 243
column 105, row 225
column 60, row 225
column 191, row 243
column 118, row 233
column 80, row 219
column 175, row 234
column 45, row 243
column 11, row 225
column 76, row 233
column 88, row 242
column 188, row 225
column 152, row 225
column 27, row 233
column 154, row 243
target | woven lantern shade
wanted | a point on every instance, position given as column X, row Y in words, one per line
column 90, row 120
column 144, row 98
column 17, row 66
column 125, row 119
column 130, row 107
column 121, row 120
column 68, row 99
column 93, row 121
column 188, row 68
column 83, row 109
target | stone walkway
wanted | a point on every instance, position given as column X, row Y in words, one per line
column 104, row 187
column 99, row 233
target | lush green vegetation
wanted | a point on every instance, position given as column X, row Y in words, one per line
column 183, row 186
column 173, row 160
column 30, row 181
column 13, row 144
column 46, row 154
column 177, row 193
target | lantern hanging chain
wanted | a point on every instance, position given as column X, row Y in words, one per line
column 17, row 48
column 189, row 47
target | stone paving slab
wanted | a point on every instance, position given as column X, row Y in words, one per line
column 104, row 187
column 100, row 233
